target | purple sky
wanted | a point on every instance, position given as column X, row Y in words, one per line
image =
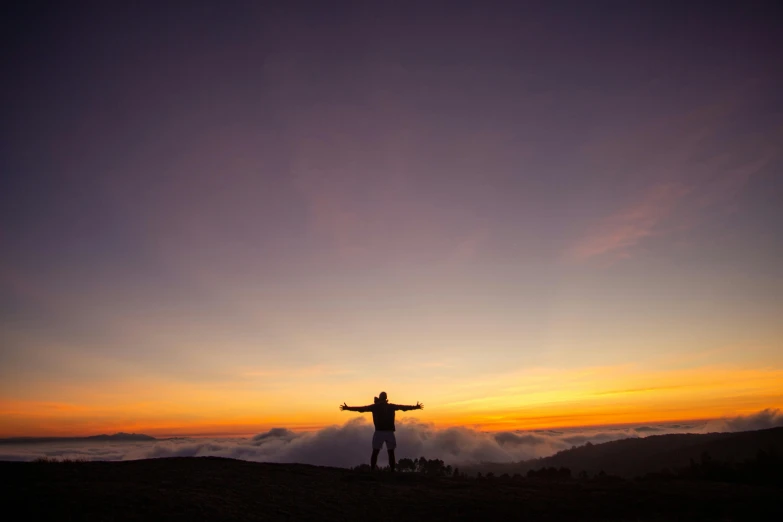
column 194, row 193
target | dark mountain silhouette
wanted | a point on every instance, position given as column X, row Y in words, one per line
column 638, row 456
column 210, row 488
column 117, row 437
column 122, row 437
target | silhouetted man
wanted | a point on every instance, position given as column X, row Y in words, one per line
column 383, row 418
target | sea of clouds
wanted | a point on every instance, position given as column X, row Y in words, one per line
column 349, row 445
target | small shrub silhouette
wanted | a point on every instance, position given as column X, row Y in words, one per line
column 550, row 473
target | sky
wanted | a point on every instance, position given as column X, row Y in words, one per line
column 223, row 219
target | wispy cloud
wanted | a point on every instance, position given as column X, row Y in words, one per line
column 620, row 232
column 641, row 390
column 21, row 407
column 297, row 372
column 668, row 206
column 731, row 178
column 683, row 168
column 331, row 213
column 695, row 165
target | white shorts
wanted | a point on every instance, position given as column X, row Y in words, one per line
column 379, row 437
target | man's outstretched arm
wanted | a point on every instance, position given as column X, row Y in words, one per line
column 403, row 407
column 360, row 409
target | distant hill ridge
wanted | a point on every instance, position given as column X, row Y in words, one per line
column 637, row 456
column 117, row 437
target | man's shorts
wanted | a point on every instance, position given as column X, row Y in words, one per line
column 379, row 437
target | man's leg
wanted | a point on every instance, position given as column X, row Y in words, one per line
column 374, row 458
column 377, row 444
column 391, row 444
column 391, row 460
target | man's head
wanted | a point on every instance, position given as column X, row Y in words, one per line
column 382, row 397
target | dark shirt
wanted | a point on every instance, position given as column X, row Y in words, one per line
column 383, row 414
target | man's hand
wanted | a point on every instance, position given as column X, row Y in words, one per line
column 343, row 407
column 419, row 406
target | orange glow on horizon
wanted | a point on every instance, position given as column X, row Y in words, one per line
column 532, row 399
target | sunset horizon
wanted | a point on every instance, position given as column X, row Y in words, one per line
column 221, row 220
column 583, row 415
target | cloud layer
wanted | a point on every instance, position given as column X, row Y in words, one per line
column 765, row 419
column 349, row 444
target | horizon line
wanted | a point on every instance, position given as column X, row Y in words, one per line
column 306, row 429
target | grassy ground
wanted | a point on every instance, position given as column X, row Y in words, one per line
column 222, row 489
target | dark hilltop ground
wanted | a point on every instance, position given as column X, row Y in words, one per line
column 748, row 456
column 212, row 488
column 714, row 476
